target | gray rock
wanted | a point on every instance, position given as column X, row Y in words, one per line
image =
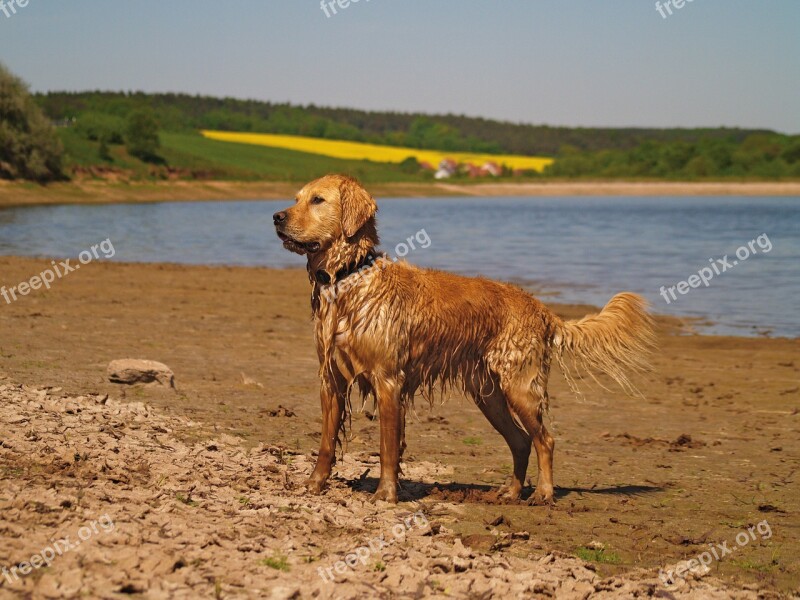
column 130, row 371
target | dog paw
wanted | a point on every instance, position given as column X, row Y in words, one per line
column 508, row 492
column 387, row 494
column 314, row 485
column 543, row 497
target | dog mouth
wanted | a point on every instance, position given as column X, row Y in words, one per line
column 297, row 246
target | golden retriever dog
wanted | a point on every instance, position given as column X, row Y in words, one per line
column 396, row 330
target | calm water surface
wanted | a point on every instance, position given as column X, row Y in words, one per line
column 582, row 249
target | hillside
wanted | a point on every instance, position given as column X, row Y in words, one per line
column 188, row 155
column 441, row 132
column 94, row 128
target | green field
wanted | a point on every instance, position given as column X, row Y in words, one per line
column 210, row 159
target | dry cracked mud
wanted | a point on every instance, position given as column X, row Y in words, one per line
column 119, row 505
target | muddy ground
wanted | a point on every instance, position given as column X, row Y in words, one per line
column 202, row 484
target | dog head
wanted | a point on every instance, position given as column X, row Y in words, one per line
column 331, row 208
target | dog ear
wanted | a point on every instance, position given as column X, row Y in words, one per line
column 358, row 206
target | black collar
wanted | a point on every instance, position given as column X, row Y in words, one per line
column 323, row 278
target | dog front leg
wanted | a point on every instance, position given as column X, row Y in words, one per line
column 391, row 415
column 332, row 399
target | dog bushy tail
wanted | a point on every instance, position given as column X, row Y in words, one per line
column 616, row 341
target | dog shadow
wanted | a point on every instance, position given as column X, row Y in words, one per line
column 413, row 491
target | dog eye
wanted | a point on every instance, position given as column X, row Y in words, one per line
column 317, row 200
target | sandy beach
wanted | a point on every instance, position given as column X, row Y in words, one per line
column 105, row 192
column 203, row 483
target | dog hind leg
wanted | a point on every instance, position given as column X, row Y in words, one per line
column 495, row 409
column 529, row 409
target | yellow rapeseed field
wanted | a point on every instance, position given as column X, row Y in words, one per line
column 374, row 152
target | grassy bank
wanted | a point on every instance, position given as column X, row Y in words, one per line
column 109, row 192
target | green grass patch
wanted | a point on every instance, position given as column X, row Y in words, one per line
column 278, row 562
column 598, row 555
column 756, row 565
column 185, row 500
column 80, row 152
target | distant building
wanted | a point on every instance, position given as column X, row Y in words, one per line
column 492, row 168
column 471, row 170
column 447, row 168
column 449, row 165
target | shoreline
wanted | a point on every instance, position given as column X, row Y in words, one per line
column 100, row 192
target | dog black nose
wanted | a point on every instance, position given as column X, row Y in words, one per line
column 279, row 217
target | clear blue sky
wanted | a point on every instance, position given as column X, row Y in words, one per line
column 559, row 62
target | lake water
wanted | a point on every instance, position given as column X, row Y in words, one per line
column 582, row 249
